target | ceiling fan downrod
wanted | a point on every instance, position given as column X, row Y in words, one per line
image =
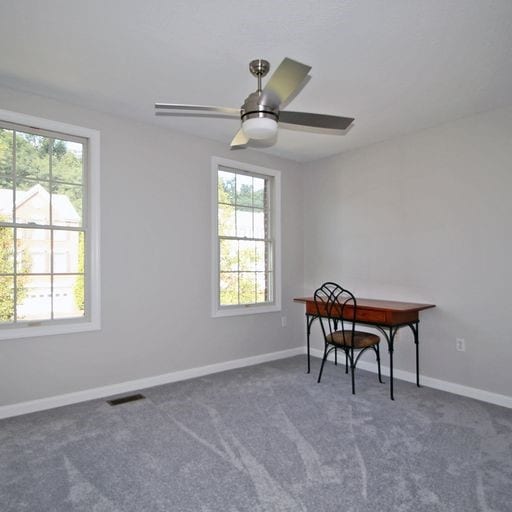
column 259, row 68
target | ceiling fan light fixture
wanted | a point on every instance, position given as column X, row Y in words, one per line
column 259, row 128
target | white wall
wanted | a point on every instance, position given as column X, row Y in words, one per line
column 428, row 218
column 156, row 276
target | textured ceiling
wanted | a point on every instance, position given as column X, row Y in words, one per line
column 396, row 66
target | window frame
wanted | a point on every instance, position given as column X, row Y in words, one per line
column 91, row 223
column 275, row 235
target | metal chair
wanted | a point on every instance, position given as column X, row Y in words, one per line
column 336, row 308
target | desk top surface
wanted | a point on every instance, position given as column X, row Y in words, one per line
column 379, row 304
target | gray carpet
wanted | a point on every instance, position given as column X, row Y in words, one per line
column 264, row 438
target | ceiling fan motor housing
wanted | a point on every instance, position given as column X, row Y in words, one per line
column 252, row 108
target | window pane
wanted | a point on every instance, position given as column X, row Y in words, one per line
column 268, row 254
column 40, row 263
column 261, row 287
column 32, row 202
column 228, row 288
column 227, row 220
column 60, row 262
column 244, row 222
column 261, row 256
column 6, row 299
column 68, row 296
column 258, row 192
column 32, row 156
column 228, row 255
column 247, row 255
column 259, row 224
column 6, row 250
column 68, row 252
column 6, row 199
column 61, row 235
column 6, row 154
column 243, row 190
column 270, row 286
column 34, row 249
column 81, row 253
column 247, row 287
column 35, row 302
column 226, row 187
column 79, row 292
column 67, row 161
column 66, row 205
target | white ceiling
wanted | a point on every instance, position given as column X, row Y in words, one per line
column 396, row 66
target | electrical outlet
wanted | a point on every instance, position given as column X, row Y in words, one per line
column 460, row 344
column 283, row 321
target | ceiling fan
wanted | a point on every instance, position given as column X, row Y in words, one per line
column 261, row 110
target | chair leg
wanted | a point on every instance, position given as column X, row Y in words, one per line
column 346, row 361
column 353, row 370
column 323, row 362
column 377, row 352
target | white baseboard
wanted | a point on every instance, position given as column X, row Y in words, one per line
column 7, row 411
column 429, row 382
column 41, row 404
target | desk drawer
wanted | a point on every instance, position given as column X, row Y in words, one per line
column 364, row 315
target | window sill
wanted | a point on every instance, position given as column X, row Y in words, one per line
column 49, row 330
column 250, row 309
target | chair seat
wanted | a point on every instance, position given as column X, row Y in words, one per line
column 361, row 339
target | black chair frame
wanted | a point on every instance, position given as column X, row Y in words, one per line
column 336, row 308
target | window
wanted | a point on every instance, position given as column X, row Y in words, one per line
column 246, row 238
column 49, row 227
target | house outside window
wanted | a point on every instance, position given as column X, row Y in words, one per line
column 49, row 227
column 246, row 238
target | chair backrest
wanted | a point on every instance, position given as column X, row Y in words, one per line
column 332, row 304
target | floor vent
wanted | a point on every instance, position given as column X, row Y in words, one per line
column 125, row 399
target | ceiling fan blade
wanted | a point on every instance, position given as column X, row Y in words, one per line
column 198, row 108
column 288, row 76
column 315, row 120
column 240, row 140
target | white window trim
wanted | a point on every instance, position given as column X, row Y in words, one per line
column 93, row 321
column 248, row 309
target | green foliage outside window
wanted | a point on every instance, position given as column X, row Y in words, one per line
column 7, row 281
column 33, row 165
column 79, row 290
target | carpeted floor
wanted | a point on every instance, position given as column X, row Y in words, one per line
column 264, row 438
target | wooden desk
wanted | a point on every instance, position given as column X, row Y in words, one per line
column 385, row 315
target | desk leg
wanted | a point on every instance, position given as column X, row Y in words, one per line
column 309, row 321
column 414, row 328
column 391, row 348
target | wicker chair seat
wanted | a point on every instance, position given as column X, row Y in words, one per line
column 361, row 339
